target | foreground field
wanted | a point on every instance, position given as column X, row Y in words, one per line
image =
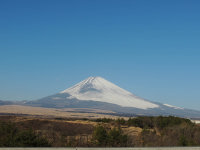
column 62, row 131
column 36, row 131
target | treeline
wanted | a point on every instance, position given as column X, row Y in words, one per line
column 148, row 122
column 157, row 122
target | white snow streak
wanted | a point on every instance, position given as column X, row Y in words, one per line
column 173, row 106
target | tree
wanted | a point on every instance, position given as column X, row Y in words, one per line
column 100, row 136
column 116, row 137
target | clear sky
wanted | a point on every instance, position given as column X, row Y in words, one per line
column 148, row 47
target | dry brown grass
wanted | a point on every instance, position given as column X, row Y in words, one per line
column 52, row 112
column 135, row 131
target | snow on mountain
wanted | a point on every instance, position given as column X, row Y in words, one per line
column 173, row 106
column 99, row 89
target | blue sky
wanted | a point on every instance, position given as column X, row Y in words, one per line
column 150, row 48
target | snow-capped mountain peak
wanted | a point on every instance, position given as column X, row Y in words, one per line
column 99, row 89
column 98, row 93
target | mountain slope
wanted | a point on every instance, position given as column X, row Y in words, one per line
column 99, row 89
column 98, row 93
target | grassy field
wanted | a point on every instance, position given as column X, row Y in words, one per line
column 52, row 112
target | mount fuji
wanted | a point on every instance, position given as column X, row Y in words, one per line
column 98, row 93
column 99, row 89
